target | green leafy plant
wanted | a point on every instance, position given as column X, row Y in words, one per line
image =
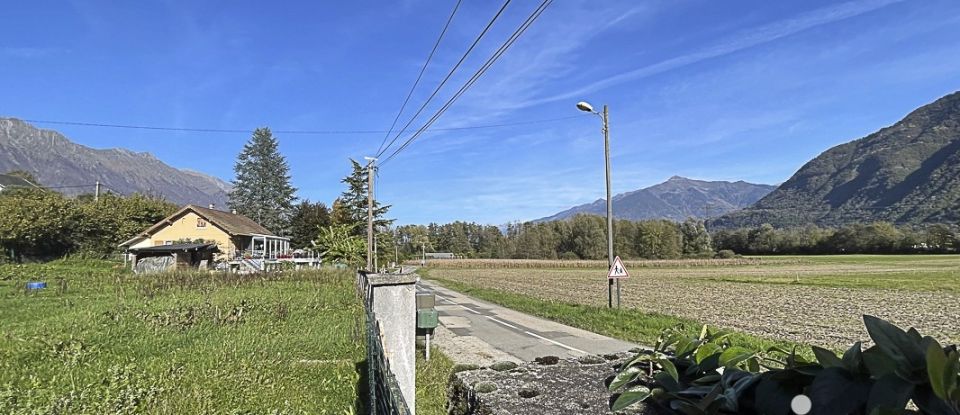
column 337, row 245
column 708, row 375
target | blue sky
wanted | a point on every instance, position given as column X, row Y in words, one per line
column 733, row 90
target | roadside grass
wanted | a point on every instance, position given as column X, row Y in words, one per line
column 101, row 340
column 432, row 378
column 625, row 323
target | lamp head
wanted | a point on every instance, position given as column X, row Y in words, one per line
column 585, row 107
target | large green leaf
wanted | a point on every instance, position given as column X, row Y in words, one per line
column 624, row 376
column 890, row 392
column 878, row 363
column 631, row 396
column 669, row 383
column 950, row 374
column 707, row 350
column 936, row 368
column 773, row 395
column 902, row 347
column 734, row 355
column 736, row 384
column 853, row 358
column 685, row 346
column 826, row 358
column 639, row 358
column 669, row 368
column 837, row 391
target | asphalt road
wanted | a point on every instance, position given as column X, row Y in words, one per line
column 474, row 331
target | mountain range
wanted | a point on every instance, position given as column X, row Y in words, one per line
column 73, row 169
column 676, row 199
column 908, row 173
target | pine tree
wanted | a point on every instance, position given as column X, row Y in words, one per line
column 353, row 202
column 262, row 189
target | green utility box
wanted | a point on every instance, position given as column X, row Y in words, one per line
column 427, row 318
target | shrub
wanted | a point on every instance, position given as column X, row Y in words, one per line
column 569, row 256
column 708, row 375
column 726, row 254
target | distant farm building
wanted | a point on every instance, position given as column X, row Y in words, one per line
column 207, row 236
column 440, row 255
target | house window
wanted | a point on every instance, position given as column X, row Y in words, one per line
column 201, row 223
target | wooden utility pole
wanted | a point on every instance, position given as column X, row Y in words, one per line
column 370, row 252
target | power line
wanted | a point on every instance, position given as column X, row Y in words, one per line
column 476, row 76
column 420, row 75
column 446, row 78
column 303, row 132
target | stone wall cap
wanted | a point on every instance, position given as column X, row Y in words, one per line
column 392, row 279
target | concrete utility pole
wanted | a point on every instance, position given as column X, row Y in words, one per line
column 370, row 251
column 96, row 193
column 606, row 156
column 605, row 116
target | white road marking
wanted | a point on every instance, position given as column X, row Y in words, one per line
column 556, row 342
column 496, row 320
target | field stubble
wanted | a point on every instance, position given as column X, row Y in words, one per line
column 809, row 301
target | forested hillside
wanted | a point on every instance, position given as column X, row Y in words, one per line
column 908, row 173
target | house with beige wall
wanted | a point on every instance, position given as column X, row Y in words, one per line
column 235, row 236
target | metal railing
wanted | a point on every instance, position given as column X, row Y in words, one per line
column 384, row 391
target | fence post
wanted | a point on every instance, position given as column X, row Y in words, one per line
column 393, row 301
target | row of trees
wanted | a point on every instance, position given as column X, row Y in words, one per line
column 581, row 237
column 584, row 237
column 40, row 223
column 873, row 238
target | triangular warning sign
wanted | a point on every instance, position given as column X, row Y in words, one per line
column 618, row 270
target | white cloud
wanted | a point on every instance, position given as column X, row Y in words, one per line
column 745, row 39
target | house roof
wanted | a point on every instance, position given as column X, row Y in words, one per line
column 232, row 224
column 176, row 248
column 7, row 180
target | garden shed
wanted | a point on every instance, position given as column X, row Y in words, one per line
column 170, row 257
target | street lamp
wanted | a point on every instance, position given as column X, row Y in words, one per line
column 586, row 107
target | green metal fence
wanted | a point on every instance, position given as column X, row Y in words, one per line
column 385, row 396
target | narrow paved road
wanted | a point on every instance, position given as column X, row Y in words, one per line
column 474, row 331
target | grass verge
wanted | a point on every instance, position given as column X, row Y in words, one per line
column 432, row 378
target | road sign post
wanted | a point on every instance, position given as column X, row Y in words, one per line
column 617, row 271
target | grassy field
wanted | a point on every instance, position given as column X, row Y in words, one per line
column 802, row 299
column 99, row 340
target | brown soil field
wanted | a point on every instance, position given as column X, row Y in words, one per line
column 814, row 300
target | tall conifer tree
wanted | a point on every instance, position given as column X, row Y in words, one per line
column 353, row 203
column 261, row 188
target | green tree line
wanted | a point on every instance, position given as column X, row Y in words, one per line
column 584, row 237
column 872, row 238
column 581, row 237
column 39, row 223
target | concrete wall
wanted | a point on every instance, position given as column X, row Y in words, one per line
column 393, row 299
